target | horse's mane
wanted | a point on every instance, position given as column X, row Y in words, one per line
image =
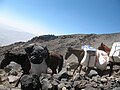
column 70, row 48
column 103, row 45
column 104, row 48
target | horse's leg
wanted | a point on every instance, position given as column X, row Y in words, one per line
column 60, row 64
column 54, row 71
column 76, row 68
column 111, row 68
column 88, row 70
column 53, row 68
column 80, row 68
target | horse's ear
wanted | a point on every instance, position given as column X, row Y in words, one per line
column 45, row 48
column 102, row 43
column 29, row 49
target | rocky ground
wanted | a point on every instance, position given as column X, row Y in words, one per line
column 63, row 81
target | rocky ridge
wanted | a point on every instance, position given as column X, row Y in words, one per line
column 59, row 44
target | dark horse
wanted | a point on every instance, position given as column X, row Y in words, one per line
column 78, row 53
column 21, row 59
column 54, row 60
column 107, row 50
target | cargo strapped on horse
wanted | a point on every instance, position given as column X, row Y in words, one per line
column 115, row 52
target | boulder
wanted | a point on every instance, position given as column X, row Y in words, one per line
column 30, row 82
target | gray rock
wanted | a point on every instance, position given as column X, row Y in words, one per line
column 13, row 72
column 12, row 78
column 30, row 82
column 64, row 75
column 46, row 84
column 116, row 88
column 104, row 80
column 60, row 86
column 2, row 87
column 92, row 73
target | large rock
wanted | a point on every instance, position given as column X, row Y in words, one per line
column 30, row 82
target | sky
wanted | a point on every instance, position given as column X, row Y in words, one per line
column 61, row 17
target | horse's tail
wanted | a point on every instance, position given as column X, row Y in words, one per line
column 60, row 63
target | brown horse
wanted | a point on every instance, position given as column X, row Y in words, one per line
column 78, row 53
column 107, row 50
column 89, row 62
column 104, row 48
column 54, row 61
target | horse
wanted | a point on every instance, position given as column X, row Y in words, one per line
column 88, row 58
column 21, row 59
column 104, row 48
column 53, row 59
column 78, row 53
column 107, row 50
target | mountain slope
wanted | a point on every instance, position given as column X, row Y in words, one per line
column 60, row 43
column 10, row 36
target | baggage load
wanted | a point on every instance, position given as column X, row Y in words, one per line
column 115, row 52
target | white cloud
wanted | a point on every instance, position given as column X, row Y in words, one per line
column 25, row 26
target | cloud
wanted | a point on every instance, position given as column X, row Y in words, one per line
column 26, row 26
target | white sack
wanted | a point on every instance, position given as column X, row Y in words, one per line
column 115, row 52
column 102, row 59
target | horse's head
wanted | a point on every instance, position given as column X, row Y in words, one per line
column 68, row 53
column 8, row 57
column 104, row 48
column 37, row 53
column 29, row 50
column 101, row 47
